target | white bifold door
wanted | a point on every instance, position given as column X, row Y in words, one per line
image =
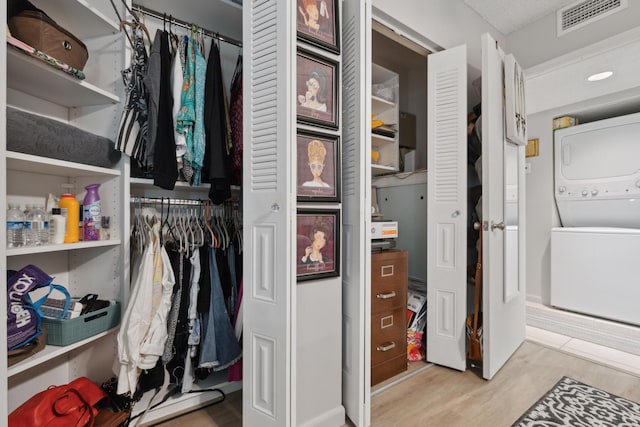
column 356, row 213
column 503, row 294
column 268, row 393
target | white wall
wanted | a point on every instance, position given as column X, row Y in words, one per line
column 443, row 23
column 540, row 208
column 440, row 24
column 537, row 42
column 319, row 353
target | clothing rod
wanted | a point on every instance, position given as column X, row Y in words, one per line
column 184, row 24
column 166, row 200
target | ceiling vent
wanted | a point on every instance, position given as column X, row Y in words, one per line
column 585, row 12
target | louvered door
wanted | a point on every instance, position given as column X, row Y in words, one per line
column 269, row 286
column 447, row 207
column 356, row 184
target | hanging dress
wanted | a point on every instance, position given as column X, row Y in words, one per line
column 165, row 166
column 216, row 157
column 132, row 131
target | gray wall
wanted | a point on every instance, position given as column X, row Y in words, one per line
column 407, row 204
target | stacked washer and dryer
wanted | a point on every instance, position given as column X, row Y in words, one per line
column 595, row 255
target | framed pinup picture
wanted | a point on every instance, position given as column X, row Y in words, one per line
column 318, row 167
column 317, row 90
column 318, row 23
column 317, row 251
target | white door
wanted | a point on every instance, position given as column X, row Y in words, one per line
column 356, row 214
column 447, row 207
column 503, row 239
column 269, row 279
column 503, row 299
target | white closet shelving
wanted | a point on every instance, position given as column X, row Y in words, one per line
column 60, row 88
column 83, row 267
column 384, row 106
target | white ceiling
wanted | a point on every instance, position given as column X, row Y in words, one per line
column 511, row 15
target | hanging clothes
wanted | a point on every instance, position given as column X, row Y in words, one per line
column 176, row 366
column 165, row 166
column 132, row 138
column 235, row 371
column 187, row 113
column 199, row 137
column 177, row 265
column 194, row 324
column 216, row 158
column 235, row 113
column 177, row 83
column 219, row 347
column 152, row 84
column 143, row 329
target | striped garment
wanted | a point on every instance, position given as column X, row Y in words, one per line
column 132, row 133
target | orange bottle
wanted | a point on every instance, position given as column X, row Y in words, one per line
column 69, row 202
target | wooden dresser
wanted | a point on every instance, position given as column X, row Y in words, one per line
column 388, row 314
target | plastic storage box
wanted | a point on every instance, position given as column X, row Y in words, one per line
column 65, row 332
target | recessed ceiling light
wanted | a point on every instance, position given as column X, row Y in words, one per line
column 600, row 76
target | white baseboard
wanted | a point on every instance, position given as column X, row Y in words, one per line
column 610, row 334
column 332, row 418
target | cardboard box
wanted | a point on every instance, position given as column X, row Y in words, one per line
column 407, row 130
column 564, row 122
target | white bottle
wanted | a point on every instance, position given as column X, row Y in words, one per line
column 38, row 232
column 15, row 226
column 57, row 227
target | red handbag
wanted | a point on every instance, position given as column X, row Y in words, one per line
column 68, row 405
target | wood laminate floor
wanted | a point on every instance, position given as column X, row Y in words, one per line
column 440, row 396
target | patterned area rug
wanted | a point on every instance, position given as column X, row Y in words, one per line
column 571, row 403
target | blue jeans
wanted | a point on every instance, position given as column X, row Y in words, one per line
column 219, row 347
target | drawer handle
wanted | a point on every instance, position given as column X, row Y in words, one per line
column 386, row 347
column 388, row 295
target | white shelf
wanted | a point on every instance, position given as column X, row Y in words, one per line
column 29, row 250
column 37, row 78
column 377, row 139
column 146, row 183
column 380, row 169
column 44, row 165
column 180, row 185
column 381, row 103
column 387, row 111
column 51, row 352
column 79, row 17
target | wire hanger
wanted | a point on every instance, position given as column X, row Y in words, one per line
column 207, row 217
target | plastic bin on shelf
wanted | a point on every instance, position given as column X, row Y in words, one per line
column 65, row 332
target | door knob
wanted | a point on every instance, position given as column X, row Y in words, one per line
column 499, row 226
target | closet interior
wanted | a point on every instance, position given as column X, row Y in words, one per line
column 192, row 228
column 399, row 195
column 80, row 116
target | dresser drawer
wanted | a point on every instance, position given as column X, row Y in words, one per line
column 388, row 280
column 388, row 335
